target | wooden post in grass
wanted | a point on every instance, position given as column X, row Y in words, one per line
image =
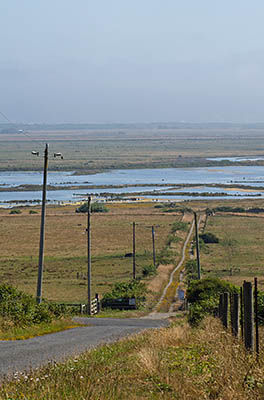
column 134, row 250
column 256, row 315
column 241, row 312
column 220, row 308
column 197, row 246
column 89, row 254
column 235, row 314
column 248, row 315
column 153, row 246
column 225, row 310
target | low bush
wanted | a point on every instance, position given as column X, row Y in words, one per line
column 203, row 297
column 228, row 209
column 32, row 212
column 149, row 270
column 22, row 310
column 166, row 256
column 209, row 238
column 179, row 226
column 131, row 289
column 172, row 239
column 95, row 208
column 15, row 211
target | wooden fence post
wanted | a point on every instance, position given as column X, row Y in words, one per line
column 256, row 315
column 235, row 314
column 225, row 310
column 241, row 313
column 220, row 307
column 248, row 315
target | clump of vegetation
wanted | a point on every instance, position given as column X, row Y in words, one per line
column 95, row 208
column 209, row 238
column 172, row 239
column 191, row 270
column 173, row 207
column 166, row 256
column 179, row 226
column 15, row 211
column 228, row 209
column 127, row 290
column 20, row 309
column 203, row 297
column 149, row 270
column 255, row 210
column 33, row 212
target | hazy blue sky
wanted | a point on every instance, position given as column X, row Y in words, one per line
column 132, row 60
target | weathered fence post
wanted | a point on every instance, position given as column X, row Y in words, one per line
column 221, row 306
column 248, row 315
column 241, row 313
column 256, row 315
column 225, row 310
column 235, row 314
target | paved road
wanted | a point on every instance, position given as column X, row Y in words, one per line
column 25, row 354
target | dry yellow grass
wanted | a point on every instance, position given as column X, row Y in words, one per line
column 66, row 248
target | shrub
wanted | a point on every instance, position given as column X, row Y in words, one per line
column 131, row 289
column 172, row 239
column 22, row 309
column 32, row 212
column 203, row 297
column 179, row 226
column 191, row 270
column 15, row 211
column 209, row 238
column 166, row 256
column 228, row 209
column 149, row 270
column 95, row 207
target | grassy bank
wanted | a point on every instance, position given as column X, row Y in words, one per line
column 10, row 332
column 171, row 363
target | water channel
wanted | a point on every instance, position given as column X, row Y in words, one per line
column 200, row 177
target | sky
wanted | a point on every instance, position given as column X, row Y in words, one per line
column 131, row 61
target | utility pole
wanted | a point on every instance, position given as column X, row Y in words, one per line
column 42, row 226
column 197, row 246
column 134, row 250
column 153, row 246
column 89, row 254
column 43, row 214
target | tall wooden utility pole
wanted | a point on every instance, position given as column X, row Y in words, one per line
column 42, row 226
column 89, row 254
column 134, row 250
column 197, row 246
column 153, row 246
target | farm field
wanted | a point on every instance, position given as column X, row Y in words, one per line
column 66, row 248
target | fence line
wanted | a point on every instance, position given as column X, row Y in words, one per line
column 241, row 310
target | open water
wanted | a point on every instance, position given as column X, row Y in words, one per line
column 244, row 175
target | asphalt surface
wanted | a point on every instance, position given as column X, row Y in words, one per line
column 23, row 355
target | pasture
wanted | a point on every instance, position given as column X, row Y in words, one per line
column 65, row 265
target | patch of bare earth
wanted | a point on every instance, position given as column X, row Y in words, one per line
column 162, row 277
